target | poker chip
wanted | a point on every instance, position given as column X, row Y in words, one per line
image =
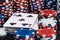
column 46, row 33
column 51, row 4
column 4, row 4
column 24, row 33
column 48, row 13
column 1, row 17
column 48, row 22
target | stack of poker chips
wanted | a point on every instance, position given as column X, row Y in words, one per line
column 36, row 5
column 21, row 6
column 47, row 24
column 7, row 8
column 1, row 19
column 58, row 13
column 46, row 34
column 24, row 34
column 51, row 4
column 48, row 18
column 58, row 10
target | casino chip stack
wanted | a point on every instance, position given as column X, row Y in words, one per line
column 24, row 34
column 48, row 22
column 7, row 9
column 48, row 13
column 58, row 5
column 46, row 34
column 21, row 6
column 58, row 10
column 42, row 4
column 58, row 16
column 36, row 5
column 51, row 4
column 1, row 19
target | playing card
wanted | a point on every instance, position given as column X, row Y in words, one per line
column 22, row 20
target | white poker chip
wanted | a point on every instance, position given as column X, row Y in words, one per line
column 48, row 22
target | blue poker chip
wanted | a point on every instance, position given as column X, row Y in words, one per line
column 1, row 17
column 22, row 33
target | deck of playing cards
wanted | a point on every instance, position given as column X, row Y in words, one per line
column 22, row 20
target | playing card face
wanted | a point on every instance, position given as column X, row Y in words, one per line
column 23, row 20
column 16, row 23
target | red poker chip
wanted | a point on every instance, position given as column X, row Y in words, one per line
column 4, row 4
column 46, row 32
column 9, row 15
column 48, row 13
column 3, row 8
column 1, row 21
